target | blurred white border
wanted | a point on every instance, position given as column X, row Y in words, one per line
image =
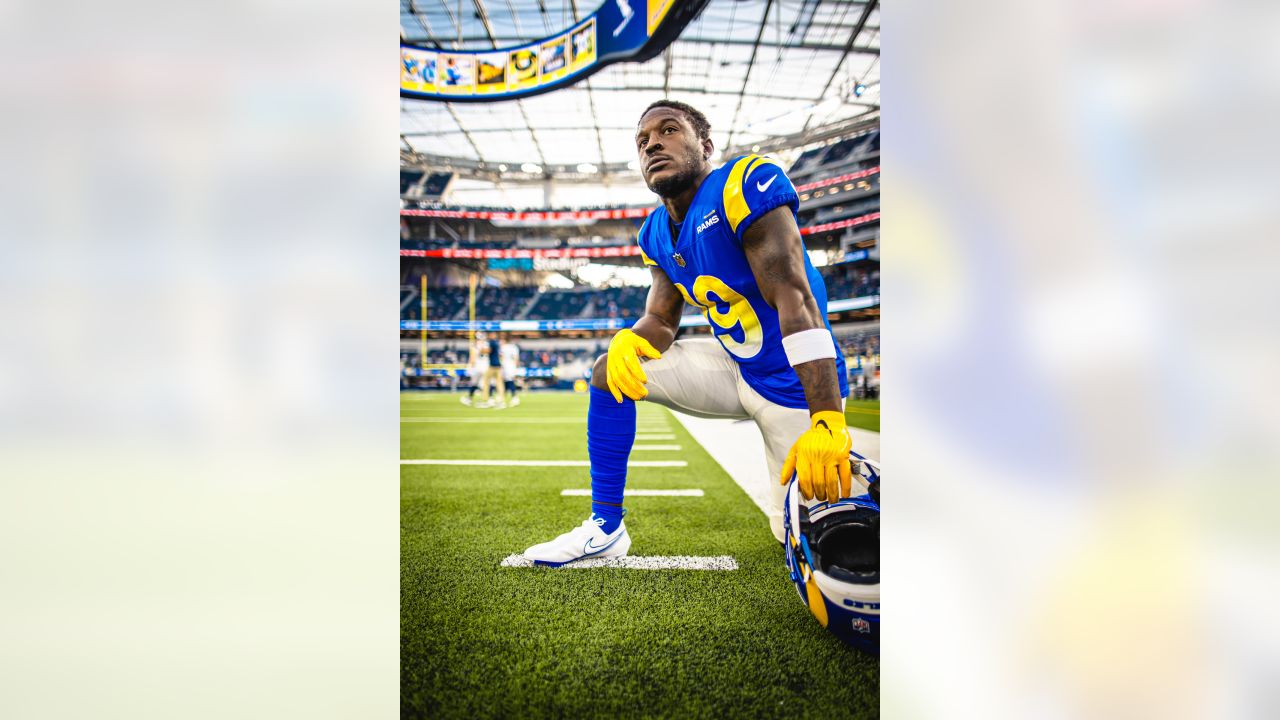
column 1080, row 345
column 198, row 438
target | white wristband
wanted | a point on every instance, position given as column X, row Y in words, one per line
column 809, row 345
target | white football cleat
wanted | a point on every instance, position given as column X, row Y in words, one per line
column 465, row 400
column 585, row 541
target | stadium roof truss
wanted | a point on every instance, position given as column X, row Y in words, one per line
column 780, row 74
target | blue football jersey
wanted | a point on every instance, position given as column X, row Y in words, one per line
column 709, row 268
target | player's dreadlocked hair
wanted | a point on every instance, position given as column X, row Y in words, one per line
column 696, row 118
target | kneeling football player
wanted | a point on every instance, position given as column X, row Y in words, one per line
column 726, row 241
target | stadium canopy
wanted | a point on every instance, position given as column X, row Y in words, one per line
column 776, row 75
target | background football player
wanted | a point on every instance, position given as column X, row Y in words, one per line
column 491, row 381
column 476, row 368
column 724, row 240
column 510, row 363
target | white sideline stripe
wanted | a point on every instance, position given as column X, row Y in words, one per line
column 738, row 448
column 638, row 562
column 655, row 437
column 637, row 493
column 495, row 419
column 655, row 447
column 543, row 463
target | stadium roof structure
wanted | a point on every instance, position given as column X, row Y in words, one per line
column 770, row 75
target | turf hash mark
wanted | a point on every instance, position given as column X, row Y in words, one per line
column 586, row 492
column 543, row 463
column 636, row 562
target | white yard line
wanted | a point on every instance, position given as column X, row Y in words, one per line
column 586, row 492
column 643, row 436
column 543, row 463
column 655, row 447
column 496, row 419
column 638, row 562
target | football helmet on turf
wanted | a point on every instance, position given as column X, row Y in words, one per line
column 833, row 556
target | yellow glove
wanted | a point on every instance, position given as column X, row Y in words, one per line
column 624, row 375
column 820, row 459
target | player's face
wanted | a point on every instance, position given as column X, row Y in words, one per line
column 671, row 155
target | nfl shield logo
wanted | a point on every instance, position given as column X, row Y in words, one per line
column 678, row 258
column 861, row 625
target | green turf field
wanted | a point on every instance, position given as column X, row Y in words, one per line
column 863, row 414
column 479, row 640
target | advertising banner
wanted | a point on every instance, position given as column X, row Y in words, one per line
column 495, row 254
column 533, row 217
column 615, row 32
column 851, row 222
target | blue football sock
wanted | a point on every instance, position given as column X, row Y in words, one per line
column 611, row 430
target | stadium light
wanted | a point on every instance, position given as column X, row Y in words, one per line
column 531, row 167
column 502, row 167
column 755, row 148
column 586, row 168
column 859, row 89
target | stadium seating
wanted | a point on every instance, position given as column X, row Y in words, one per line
column 846, row 280
column 560, row 305
column 849, row 280
column 455, row 353
column 409, row 178
column 862, row 343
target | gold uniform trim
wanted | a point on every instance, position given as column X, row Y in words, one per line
column 735, row 201
column 647, row 260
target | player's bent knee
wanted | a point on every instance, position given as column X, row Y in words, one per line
column 599, row 373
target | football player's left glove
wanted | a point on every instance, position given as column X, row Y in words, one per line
column 623, row 373
column 820, row 458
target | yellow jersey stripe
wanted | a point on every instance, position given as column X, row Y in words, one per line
column 757, row 165
column 647, row 260
column 735, row 200
column 735, row 204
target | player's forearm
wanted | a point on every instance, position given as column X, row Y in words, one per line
column 659, row 332
column 798, row 312
column 821, row 384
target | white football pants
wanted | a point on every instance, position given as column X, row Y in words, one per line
column 699, row 378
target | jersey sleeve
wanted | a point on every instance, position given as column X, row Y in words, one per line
column 756, row 185
column 644, row 239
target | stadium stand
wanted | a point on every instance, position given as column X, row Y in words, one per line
column 409, row 178
column 845, row 280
